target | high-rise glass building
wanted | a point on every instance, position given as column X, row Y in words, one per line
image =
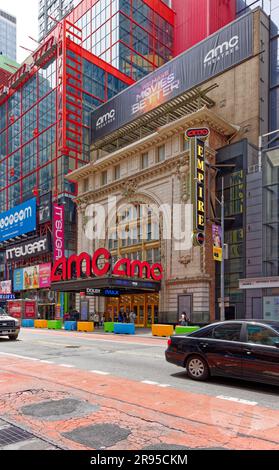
column 7, row 35
column 51, row 10
column 135, row 36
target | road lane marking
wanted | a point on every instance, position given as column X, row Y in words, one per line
column 21, row 357
column 100, row 372
column 46, row 362
column 82, row 336
column 238, row 400
column 150, row 382
column 66, row 365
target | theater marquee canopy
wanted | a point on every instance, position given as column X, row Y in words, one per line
column 113, row 283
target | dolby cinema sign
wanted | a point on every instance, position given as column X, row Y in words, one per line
column 35, row 247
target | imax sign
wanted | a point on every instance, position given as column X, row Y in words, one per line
column 18, row 221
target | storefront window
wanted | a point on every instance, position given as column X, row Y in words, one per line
column 271, row 308
column 271, row 213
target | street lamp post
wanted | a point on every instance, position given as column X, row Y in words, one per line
column 222, row 310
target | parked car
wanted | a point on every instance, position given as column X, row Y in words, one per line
column 9, row 326
column 244, row 349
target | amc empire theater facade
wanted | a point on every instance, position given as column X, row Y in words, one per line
column 141, row 162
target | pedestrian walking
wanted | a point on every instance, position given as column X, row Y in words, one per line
column 120, row 317
column 132, row 316
column 96, row 320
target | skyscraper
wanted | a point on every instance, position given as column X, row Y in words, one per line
column 7, row 35
column 56, row 9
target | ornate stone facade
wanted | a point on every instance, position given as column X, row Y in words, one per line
column 188, row 272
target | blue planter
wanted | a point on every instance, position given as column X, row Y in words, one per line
column 124, row 329
column 27, row 323
column 70, row 325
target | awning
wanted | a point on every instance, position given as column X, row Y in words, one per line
column 125, row 285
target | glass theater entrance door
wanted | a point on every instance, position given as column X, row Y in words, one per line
column 139, row 309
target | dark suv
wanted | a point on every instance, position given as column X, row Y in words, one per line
column 9, row 326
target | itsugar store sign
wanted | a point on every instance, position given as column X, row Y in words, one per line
column 18, row 221
column 221, row 51
column 58, row 231
column 25, row 250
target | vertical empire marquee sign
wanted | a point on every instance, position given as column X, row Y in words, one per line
column 197, row 139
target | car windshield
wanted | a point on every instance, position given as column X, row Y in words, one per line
column 2, row 311
column 275, row 327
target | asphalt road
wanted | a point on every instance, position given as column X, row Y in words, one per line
column 140, row 359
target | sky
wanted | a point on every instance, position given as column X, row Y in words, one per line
column 26, row 12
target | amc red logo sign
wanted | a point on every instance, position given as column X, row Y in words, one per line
column 90, row 266
column 197, row 132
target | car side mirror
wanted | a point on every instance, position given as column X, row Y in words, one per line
column 276, row 344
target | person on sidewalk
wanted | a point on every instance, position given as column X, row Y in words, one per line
column 132, row 316
column 120, row 317
column 96, row 320
column 184, row 320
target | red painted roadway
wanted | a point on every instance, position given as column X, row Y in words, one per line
column 152, row 414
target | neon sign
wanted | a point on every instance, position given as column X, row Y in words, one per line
column 89, row 266
column 197, row 137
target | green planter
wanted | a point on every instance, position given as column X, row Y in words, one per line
column 109, row 327
column 186, row 329
column 54, row 324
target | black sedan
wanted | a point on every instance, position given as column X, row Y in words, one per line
column 243, row 349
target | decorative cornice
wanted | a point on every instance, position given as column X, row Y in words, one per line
column 188, row 280
column 128, row 183
column 203, row 116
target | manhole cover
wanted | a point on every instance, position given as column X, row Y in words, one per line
column 54, row 409
column 12, row 434
column 98, row 436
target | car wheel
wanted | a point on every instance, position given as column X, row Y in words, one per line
column 197, row 368
column 13, row 337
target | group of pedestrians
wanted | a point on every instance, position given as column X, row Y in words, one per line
column 126, row 317
column 97, row 319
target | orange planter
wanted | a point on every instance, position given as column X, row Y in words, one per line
column 162, row 330
column 85, row 326
column 40, row 323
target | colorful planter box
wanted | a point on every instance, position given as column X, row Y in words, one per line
column 85, row 326
column 54, row 324
column 124, row 329
column 185, row 329
column 162, row 330
column 70, row 325
column 27, row 323
column 40, row 323
column 109, row 327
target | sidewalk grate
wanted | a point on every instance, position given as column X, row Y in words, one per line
column 12, row 434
